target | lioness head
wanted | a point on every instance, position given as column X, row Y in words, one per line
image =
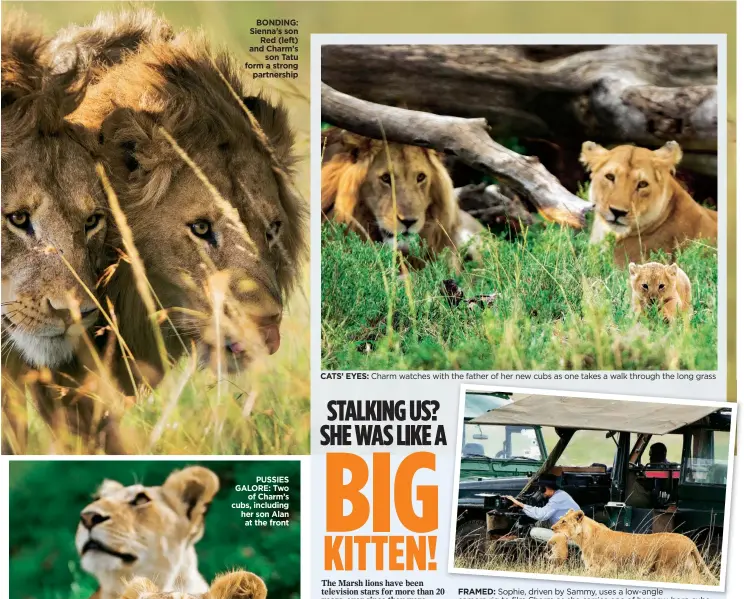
column 570, row 525
column 630, row 186
column 54, row 224
column 145, row 531
column 235, row 585
column 654, row 283
column 390, row 189
column 204, row 180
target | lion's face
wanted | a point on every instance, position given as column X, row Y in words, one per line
column 570, row 525
column 144, row 531
column 398, row 191
column 213, row 213
column 234, row 585
column 630, row 186
column 54, row 224
column 654, row 283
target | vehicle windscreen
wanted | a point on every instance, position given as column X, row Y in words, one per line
column 500, row 442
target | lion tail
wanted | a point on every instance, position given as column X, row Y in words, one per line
column 703, row 567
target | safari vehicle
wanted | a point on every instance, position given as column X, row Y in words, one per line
column 494, row 451
column 686, row 497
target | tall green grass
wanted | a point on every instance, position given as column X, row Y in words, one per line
column 560, row 303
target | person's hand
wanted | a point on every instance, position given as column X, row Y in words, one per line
column 514, row 501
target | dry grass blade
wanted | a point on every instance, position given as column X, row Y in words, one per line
column 157, row 431
column 226, row 207
column 138, row 268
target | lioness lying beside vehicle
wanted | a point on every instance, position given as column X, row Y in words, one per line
column 668, row 554
column 638, row 200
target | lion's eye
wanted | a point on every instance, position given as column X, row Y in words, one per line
column 20, row 219
column 92, row 222
column 273, row 231
column 661, row 285
column 610, row 177
column 385, row 178
column 421, row 177
column 645, row 285
column 642, row 184
column 140, row 499
column 201, row 228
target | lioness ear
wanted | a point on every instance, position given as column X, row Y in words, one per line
column 579, row 516
column 592, row 154
column 192, row 489
column 237, row 585
column 107, row 487
column 274, row 120
column 672, row 270
column 139, row 588
column 633, row 268
column 669, row 154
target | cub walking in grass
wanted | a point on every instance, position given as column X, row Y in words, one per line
column 666, row 553
column 666, row 287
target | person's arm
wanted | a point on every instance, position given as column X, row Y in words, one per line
column 540, row 513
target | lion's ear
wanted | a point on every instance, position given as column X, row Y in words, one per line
column 579, row 516
column 592, row 154
column 633, row 268
column 107, row 487
column 672, row 270
column 237, row 585
column 274, row 121
column 192, row 489
column 670, row 154
column 139, row 588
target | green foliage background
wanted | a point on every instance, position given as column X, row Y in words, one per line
column 561, row 304
column 46, row 499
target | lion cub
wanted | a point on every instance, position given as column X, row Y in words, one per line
column 667, row 287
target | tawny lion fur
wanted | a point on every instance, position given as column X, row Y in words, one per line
column 254, row 219
column 147, row 531
column 667, row 554
column 352, row 194
column 638, row 200
column 233, row 585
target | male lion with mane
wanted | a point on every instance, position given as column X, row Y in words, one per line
column 667, row 554
column 147, row 531
column 638, row 200
column 234, row 585
column 203, row 175
column 389, row 191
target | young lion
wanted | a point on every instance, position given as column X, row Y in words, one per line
column 147, row 531
column 638, row 200
column 234, row 585
column 388, row 192
column 203, row 176
column 666, row 553
column 665, row 287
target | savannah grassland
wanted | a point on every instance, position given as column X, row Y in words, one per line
column 561, row 304
column 265, row 410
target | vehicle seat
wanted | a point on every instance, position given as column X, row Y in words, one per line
column 474, row 449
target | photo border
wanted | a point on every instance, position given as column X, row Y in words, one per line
column 317, row 40
column 720, row 588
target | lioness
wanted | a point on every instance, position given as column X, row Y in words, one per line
column 668, row 554
column 638, row 200
column 147, row 531
column 390, row 192
column 234, row 585
column 666, row 287
column 203, row 176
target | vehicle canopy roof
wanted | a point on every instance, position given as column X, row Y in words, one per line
column 478, row 403
column 597, row 414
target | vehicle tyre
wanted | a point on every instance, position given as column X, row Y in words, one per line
column 469, row 536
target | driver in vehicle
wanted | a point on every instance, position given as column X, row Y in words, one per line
column 559, row 502
column 657, row 455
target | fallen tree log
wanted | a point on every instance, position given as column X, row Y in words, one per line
column 467, row 139
column 645, row 95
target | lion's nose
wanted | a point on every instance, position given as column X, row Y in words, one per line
column 91, row 519
column 407, row 222
column 61, row 309
column 616, row 213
